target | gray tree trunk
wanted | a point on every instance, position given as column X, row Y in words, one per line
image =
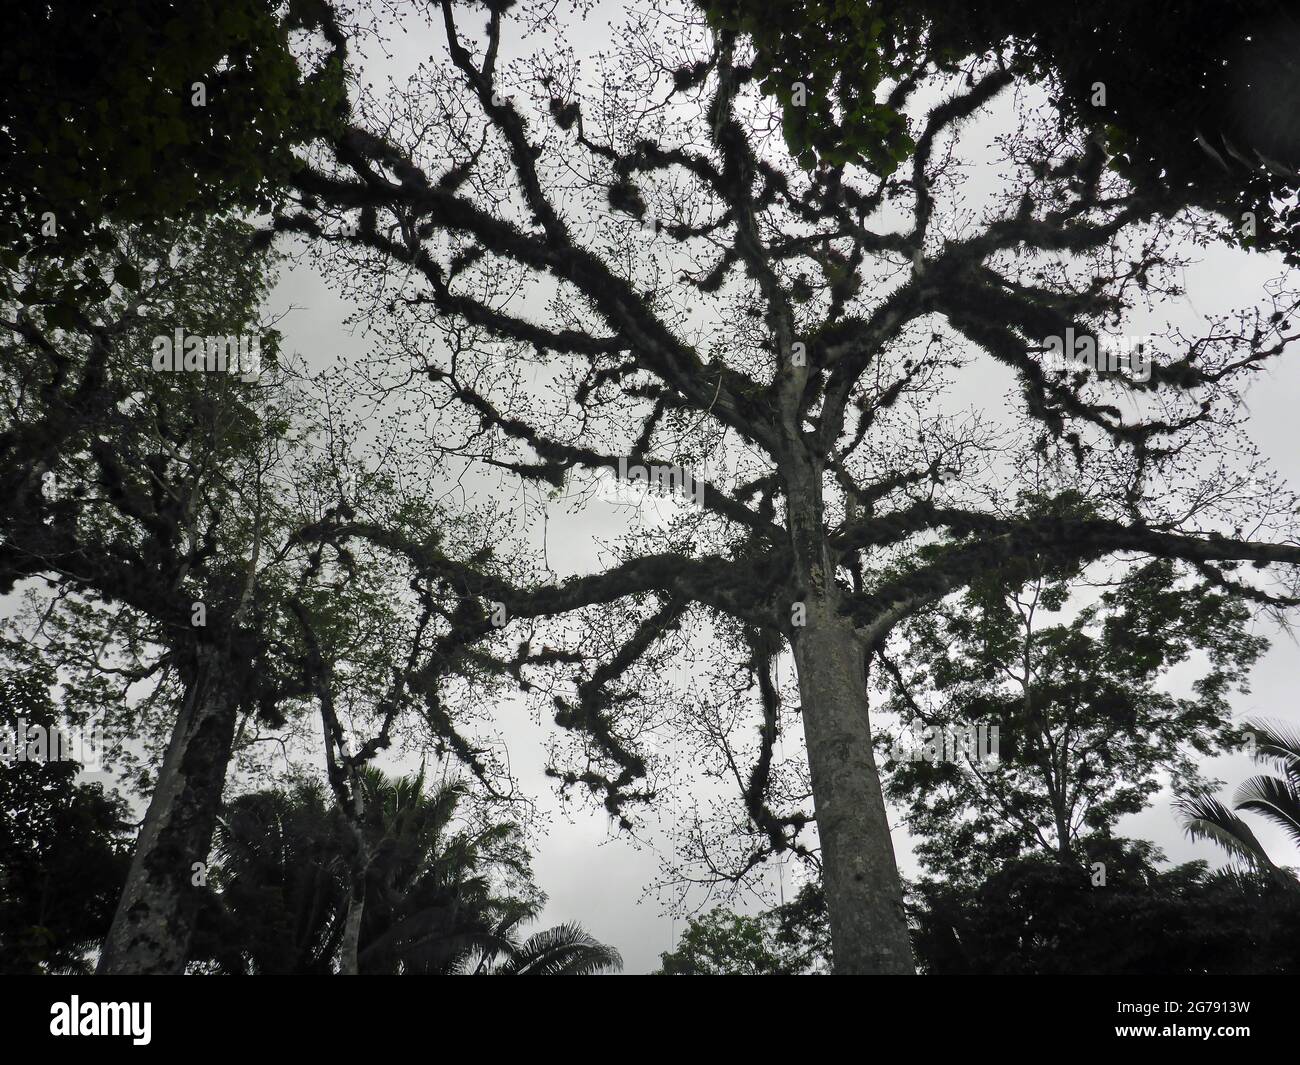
column 154, row 920
column 864, row 896
column 348, row 963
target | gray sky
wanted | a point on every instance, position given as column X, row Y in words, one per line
column 598, row 878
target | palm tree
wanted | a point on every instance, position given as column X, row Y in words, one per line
column 439, row 896
column 1276, row 798
column 280, row 883
column 430, row 901
column 565, row 950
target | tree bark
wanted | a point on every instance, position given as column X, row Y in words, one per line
column 864, row 896
column 155, row 916
column 348, row 963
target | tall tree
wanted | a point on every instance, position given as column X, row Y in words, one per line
column 703, row 303
column 159, row 465
column 143, row 486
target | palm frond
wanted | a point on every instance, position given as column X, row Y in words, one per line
column 1273, row 798
column 565, row 950
column 1277, row 741
column 1205, row 818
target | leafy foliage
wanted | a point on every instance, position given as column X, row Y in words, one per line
column 788, row 940
column 1087, row 728
column 823, row 60
column 441, row 895
column 1038, row 916
column 1276, row 798
column 64, row 845
column 1212, row 124
column 98, row 122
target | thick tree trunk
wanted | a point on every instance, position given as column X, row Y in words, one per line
column 864, row 896
column 154, row 921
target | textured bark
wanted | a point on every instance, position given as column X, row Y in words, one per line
column 154, row 920
column 864, row 897
column 348, row 965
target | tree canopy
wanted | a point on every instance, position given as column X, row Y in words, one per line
column 136, row 112
column 1211, row 124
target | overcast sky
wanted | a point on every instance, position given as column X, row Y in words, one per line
column 598, row 878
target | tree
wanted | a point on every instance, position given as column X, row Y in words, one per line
column 702, row 301
column 1035, row 915
column 63, row 844
column 161, row 501
column 278, row 886
column 722, row 942
column 124, row 481
column 440, row 895
column 1212, row 124
column 565, row 950
column 1074, row 696
column 789, row 940
column 1276, row 798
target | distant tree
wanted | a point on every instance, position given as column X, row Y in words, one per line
column 565, row 950
column 788, row 940
column 722, row 942
column 64, row 845
column 1036, row 915
column 1276, row 798
column 1073, row 686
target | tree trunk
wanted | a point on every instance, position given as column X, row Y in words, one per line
column 348, row 963
column 864, row 896
column 154, row 921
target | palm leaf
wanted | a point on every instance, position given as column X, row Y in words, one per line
column 1205, row 818
column 565, row 950
column 1273, row 798
column 1277, row 741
